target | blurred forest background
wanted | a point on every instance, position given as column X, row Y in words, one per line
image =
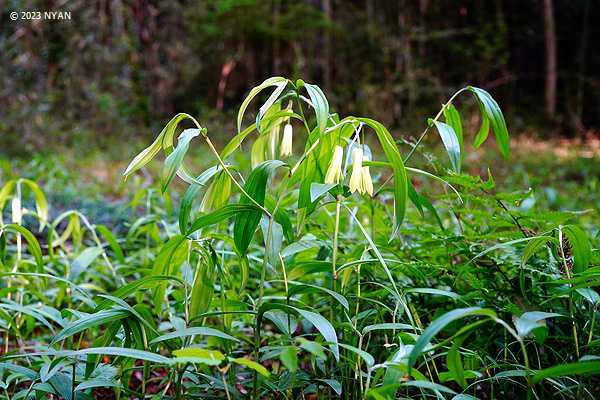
column 119, row 69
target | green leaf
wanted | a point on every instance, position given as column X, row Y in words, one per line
column 438, row 324
column 252, row 365
column 203, row 286
column 83, row 261
column 452, row 117
column 273, row 81
column 185, row 207
column 318, row 321
column 90, row 321
column 289, row 358
column 41, row 204
column 197, row 355
column 146, row 155
column 300, row 286
column 366, row 357
column 578, row 368
column 451, row 143
column 492, row 111
column 194, row 331
column 483, row 132
column 33, row 244
column 454, row 361
column 175, row 159
column 400, row 180
column 531, row 320
column 112, row 241
column 320, row 104
column 246, row 222
column 386, row 326
column 220, row 215
column 534, row 245
column 580, row 246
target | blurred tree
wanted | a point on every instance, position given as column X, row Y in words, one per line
column 119, row 66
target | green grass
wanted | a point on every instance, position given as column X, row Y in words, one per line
column 262, row 276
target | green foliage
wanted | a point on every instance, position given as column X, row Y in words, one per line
column 274, row 281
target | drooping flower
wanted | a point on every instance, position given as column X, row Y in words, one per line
column 366, row 182
column 334, row 172
column 356, row 177
column 17, row 215
column 286, row 143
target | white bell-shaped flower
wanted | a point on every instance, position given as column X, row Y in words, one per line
column 365, row 180
column 285, row 150
column 356, row 177
column 334, row 172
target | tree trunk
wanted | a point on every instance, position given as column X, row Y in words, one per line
column 550, row 37
column 326, row 57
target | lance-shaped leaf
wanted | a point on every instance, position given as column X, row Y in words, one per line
column 273, row 81
column 492, row 111
column 246, row 222
column 451, row 143
column 400, row 180
column 320, row 105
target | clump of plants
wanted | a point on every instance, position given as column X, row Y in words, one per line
column 322, row 271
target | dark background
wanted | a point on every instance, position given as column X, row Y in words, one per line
column 119, row 69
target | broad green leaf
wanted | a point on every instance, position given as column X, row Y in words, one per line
column 454, row 361
column 197, row 355
column 289, row 358
column 252, row 365
column 451, row 143
column 246, row 222
column 483, row 132
column 203, row 286
column 194, row 331
column 89, row 321
column 273, row 81
column 320, row 104
column 400, row 180
column 83, row 261
column 531, row 320
column 366, row 357
column 220, row 215
column 580, row 246
column 439, row 323
column 386, row 326
column 534, row 245
column 112, row 241
column 175, row 159
column 151, row 151
column 41, row 204
column 33, row 244
column 577, row 368
column 492, row 111
column 452, row 117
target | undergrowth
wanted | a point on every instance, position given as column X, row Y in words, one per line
column 326, row 270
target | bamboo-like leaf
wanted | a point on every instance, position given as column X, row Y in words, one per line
column 112, row 241
column 90, row 321
column 194, row 331
column 320, row 105
column 451, row 143
column 253, row 365
column 246, row 222
column 32, row 242
column 577, row 368
column 197, row 355
column 492, row 111
column 400, row 180
column 438, row 324
column 273, row 81
column 175, row 159
column 580, row 246
column 483, row 132
column 452, row 117
column 220, row 215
